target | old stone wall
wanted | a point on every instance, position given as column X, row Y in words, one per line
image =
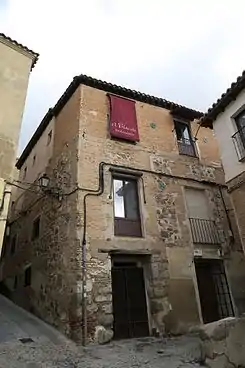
column 52, row 255
column 223, row 343
column 164, row 216
column 80, row 143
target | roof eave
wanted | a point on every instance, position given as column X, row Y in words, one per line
column 21, row 48
column 182, row 111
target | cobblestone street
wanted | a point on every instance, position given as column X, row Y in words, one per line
column 50, row 349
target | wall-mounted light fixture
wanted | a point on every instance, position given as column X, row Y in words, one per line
column 44, row 183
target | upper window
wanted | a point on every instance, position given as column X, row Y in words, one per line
column 240, row 120
column 49, row 137
column 126, row 207
column 34, row 160
column 239, row 136
column 185, row 142
column 36, row 228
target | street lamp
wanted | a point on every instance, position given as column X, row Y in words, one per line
column 44, row 181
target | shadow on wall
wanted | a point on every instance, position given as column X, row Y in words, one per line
column 4, row 290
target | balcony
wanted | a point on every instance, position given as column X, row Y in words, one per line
column 204, row 231
column 239, row 143
column 187, row 147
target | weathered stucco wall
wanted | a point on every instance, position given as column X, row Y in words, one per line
column 14, row 75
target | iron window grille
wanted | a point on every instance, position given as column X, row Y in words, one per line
column 204, row 231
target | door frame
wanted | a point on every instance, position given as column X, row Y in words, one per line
column 142, row 261
column 197, row 289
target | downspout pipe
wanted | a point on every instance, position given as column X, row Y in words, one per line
column 226, row 211
column 96, row 192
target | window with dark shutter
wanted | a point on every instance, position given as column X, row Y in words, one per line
column 126, row 207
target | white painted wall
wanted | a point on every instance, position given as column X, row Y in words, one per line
column 224, row 128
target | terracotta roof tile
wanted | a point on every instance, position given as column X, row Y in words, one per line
column 226, row 98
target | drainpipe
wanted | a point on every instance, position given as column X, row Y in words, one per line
column 96, row 192
column 226, row 212
column 84, row 294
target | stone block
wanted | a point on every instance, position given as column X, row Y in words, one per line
column 102, row 335
column 107, row 308
column 103, row 298
column 159, row 292
column 105, row 320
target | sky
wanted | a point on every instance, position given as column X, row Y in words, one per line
column 187, row 51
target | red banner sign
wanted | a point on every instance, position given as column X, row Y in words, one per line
column 123, row 122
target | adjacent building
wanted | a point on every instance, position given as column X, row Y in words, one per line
column 227, row 117
column 16, row 62
column 123, row 219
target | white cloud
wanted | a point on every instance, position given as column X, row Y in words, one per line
column 186, row 51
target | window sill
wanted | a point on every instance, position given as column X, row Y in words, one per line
column 186, row 154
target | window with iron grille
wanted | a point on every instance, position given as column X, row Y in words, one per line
column 126, row 207
column 185, row 141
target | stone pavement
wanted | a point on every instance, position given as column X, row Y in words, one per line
column 50, row 349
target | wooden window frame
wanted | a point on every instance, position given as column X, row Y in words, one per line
column 191, row 151
column 240, row 129
column 124, row 226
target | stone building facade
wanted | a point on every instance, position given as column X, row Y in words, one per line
column 76, row 261
column 16, row 62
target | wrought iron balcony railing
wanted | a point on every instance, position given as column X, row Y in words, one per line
column 204, row 231
column 239, row 142
column 187, row 147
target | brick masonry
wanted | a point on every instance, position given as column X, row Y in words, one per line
column 81, row 142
